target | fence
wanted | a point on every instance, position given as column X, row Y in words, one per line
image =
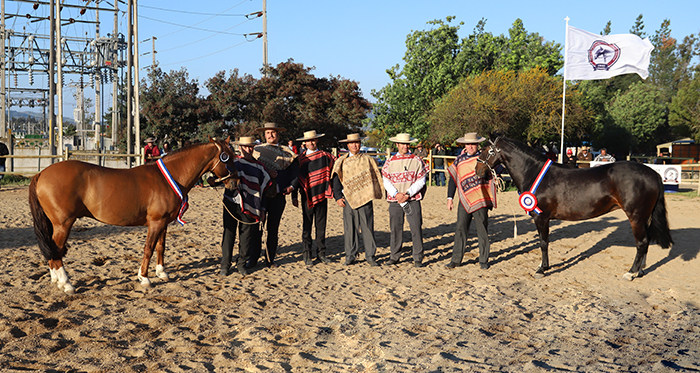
column 113, row 160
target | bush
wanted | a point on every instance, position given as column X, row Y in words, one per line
column 15, row 180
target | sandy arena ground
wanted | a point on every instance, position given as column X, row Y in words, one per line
column 581, row 317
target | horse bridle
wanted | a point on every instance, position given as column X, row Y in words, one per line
column 223, row 157
column 492, row 152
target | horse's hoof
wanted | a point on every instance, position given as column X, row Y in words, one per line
column 161, row 273
column 69, row 289
column 538, row 275
column 629, row 276
column 145, row 282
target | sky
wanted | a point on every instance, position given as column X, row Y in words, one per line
column 357, row 40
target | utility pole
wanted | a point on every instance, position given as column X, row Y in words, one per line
column 265, row 37
column 3, row 93
column 59, row 76
column 115, row 76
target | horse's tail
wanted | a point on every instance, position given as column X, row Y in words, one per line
column 42, row 225
column 658, row 226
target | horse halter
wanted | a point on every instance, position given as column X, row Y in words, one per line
column 223, row 157
column 492, row 152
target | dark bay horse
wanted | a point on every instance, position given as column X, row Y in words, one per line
column 578, row 194
column 66, row 191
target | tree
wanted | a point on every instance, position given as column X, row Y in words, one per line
column 436, row 60
column 170, row 106
column 684, row 110
column 292, row 97
column 525, row 105
column 642, row 112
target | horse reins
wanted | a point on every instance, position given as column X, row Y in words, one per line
column 493, row 150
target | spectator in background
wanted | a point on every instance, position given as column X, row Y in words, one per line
column 294, row 148
column 166, row 148
column 569, row 158
column 604, row 156
column 584, row 157
column 3, row 151
column 420, row 152
column 439, row 164
column 150, row 151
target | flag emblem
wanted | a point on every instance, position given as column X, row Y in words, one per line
column 602, row 55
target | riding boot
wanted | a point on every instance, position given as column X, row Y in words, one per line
column 322, row 257
column 307, row 258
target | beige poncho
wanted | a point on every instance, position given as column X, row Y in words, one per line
column 361, row 179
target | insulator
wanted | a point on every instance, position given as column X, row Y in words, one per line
column 15, row 80
column 63, row 79
column 81, row 81
column 30, row 75
column 92, row 80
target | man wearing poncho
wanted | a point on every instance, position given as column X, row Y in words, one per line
column 282, row 161
column 356, row 182
column 403, row 175
column 476, row 197
column 315, row 166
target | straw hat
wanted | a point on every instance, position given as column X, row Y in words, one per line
column 470, row 138
column 245, row 141
column 270, row 126
column 403, row 138
column 150, row 139
column 310, row 135
column 353, row 137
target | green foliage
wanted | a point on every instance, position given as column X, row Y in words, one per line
column 524, row 105
column 293, row 98
column 18, row 180
column 170, row 105
column 642, row 113
column 69, row 130
column 436, row 60
column 684, row 110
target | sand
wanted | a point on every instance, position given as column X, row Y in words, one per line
column 582, row 316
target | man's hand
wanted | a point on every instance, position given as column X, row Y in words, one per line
column 341, row 202
column 287, row 190
column 449, row 204
column 211, row 180
column 402, row 197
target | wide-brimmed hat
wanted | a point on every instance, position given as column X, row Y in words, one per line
column 353, row 137
column 470, row 138
column 403, row 138
column 310, row 135
column 245, row 141
column 270, row 126
column 150, row 139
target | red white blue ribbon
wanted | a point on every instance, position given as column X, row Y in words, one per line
column 183, row 199
column 527, row 200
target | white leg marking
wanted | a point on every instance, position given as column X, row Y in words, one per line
column 52, row 272
column 145, row 282
column 629, row 276
column 160, row 272
column 63, row 282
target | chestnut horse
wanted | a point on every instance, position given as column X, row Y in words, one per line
column 578, row 194
column 66, row 191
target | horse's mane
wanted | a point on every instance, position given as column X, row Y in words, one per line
column 530, row 151
column 188, row 147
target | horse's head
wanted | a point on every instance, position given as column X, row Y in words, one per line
column 489, row 158
column 223, row 167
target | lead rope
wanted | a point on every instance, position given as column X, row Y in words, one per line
column 501, row 186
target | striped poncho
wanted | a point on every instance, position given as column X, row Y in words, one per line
column 474, row 192
column 254, row 179
column 315, row 176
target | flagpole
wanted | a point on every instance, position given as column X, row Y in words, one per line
column 563, row 99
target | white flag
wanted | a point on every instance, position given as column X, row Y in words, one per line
column 589, row 56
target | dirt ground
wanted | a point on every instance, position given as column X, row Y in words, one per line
column 582, row 316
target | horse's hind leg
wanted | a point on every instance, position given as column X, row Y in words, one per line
column 59, row 276
column 160, row 254
column 543, row 230
column 639, row 230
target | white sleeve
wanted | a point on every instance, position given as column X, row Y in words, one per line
column 416, row 187
column 390, row 188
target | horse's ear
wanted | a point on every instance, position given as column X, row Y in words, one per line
column 210, row 139
column 228, row 139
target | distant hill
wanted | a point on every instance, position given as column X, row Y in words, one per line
column 37, row 116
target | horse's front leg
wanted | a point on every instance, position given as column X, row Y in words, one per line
column 160, row 256
column 640, row 236
column 154, row 231
column 542, row 224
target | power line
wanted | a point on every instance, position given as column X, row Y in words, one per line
column 208, row 37
column 195, row 13
column 187, row 27
column 207, row 55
